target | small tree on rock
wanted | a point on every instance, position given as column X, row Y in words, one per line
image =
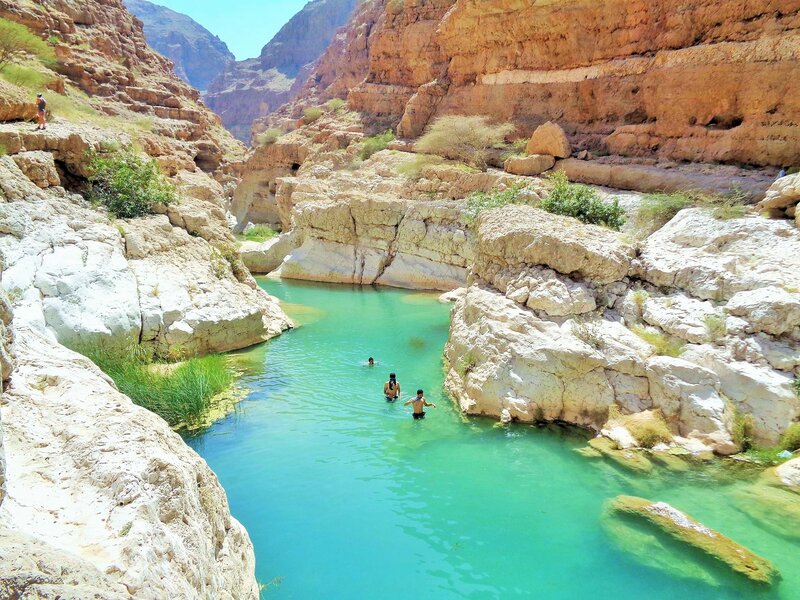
column 17, row 40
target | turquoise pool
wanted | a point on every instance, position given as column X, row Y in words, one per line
column 346, row 497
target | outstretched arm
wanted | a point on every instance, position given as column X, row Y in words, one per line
column 429, row 404
column 406, row 403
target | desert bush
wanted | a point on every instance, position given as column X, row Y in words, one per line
column 179, row 393
column 650, row 432
column 412, row 168
column 128, row 184
column 731, row 205
column 791, row 438
column 639, row 299
column 335, row 105
column 311, row 114
column 466, row 139
column 583, row 203
column 466, row 364
column 16, row 41
column 715, row 327
column 375, row 144
column 588, row 332
column 663, row 345
column 270, row 136
column 259, row 233
column 478, row 202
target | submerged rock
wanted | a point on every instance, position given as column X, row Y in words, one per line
column 679, row 526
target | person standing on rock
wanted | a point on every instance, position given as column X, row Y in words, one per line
column 41, row 112
column 419, row 403
column 391, row 389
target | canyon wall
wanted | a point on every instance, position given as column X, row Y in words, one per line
column 710, row 82
column 99, row 498
column 256, row 87
column 199, row 56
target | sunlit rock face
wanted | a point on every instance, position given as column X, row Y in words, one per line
column 648, row 79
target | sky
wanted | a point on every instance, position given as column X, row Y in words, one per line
column 245, row 25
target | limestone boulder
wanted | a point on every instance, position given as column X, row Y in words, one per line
column 784, row 193
column 532, row 165
column 789, row 473
column 714, row 259
column 550, row 140
column 760, row 391
column 681, row 316
column 14, row 185
column 107, row 487
column 39, row 167
column 520, row 236
column 772, row 310
column 265, row 257
column 16, row 103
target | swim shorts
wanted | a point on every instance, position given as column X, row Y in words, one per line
column 388, row 399
column 418, row 416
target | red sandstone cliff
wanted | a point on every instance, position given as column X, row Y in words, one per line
column 705, row 81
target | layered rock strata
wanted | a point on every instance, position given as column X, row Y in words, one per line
column 629, row 78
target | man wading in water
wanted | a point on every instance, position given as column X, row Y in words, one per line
column 419, row 403
column 41, row 110
column 391, row 389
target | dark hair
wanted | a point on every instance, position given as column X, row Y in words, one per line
column 392, row 376
column 371, row 359
column 392, row 381
column 420, row 392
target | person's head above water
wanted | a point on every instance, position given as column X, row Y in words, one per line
column 371, row 360
column 420, row 392
column 392, row 376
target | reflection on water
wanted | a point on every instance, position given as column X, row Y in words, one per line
column 345, row 496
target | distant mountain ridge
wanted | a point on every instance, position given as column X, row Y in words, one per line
column 253, row 88
column 199, row 55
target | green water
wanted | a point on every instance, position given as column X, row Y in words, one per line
column 346, row 497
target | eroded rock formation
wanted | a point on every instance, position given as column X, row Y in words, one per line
column 710, row 82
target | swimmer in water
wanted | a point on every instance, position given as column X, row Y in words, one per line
column 371, row 362
column 419, row 403
column 391, row 389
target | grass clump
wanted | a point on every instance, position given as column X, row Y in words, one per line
column 27, row 77
column 376, row 143
column 479, row 202
column 311, row 114
column 3, row 150
column 583, row 203
column 730, row 205
column 660, row 208
column 270, row 136
column 17, row 41
column 715, row 327
column 259, row 233
column 791, row 438
column 335, row 105
column 180, row 393
column 639, row 299
column 412, row 169
column 663, row 345
column 648, row 427
column 743, row 430
column 466, row 139
column 466, row 364
column 128, row 184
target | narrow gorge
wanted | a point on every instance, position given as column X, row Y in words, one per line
column 573, row 224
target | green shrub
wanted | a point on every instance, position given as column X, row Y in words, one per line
column 517, row 148
column 179, row 393
column 639, row 299
column 311, row 114
column 17, row 40
column 376, row 143
column 3, row 150
column 583, row 203
column 335, row 105
column 128, row 184
column 270, row 136
column 791, row 438
column 663, row 345
column 259, row 233
column 466, row 139
column 478, row 202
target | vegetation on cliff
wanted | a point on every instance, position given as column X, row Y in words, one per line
column 17, row 41
column 583, row 203
column 128, row 184
column 467, row 139
column 181, row 393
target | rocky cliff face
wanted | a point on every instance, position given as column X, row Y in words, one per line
column 198, row 55
column 253, row 88
column 648, row 79
column 99, row 497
